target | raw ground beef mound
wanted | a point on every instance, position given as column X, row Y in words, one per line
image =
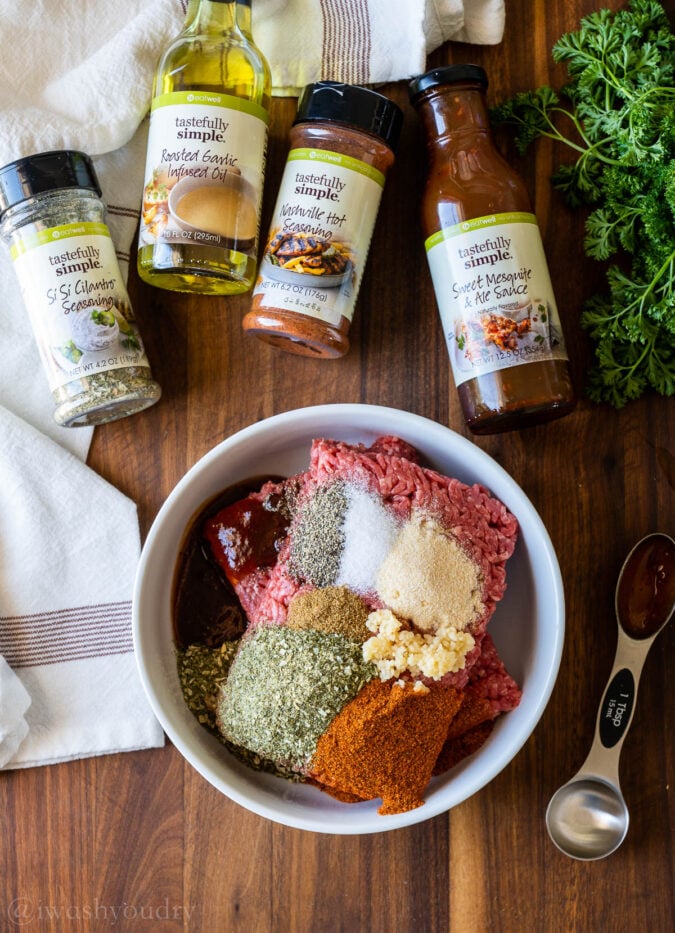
column 390, row 468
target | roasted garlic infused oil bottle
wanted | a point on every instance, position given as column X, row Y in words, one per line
column 206, row 155
column 487, row 263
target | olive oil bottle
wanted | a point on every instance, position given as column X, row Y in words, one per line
column 206, row 153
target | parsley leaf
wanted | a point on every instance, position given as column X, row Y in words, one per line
column 617, row 116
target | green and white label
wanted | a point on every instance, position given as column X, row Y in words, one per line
column 320, row 234
column 204, row 171
column 494, row 294
column 77, row 302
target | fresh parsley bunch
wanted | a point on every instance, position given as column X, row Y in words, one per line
column 619, row 120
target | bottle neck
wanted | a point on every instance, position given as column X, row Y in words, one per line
column 454, row 110
column 218, row 16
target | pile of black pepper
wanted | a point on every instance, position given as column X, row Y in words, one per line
column 318, row 539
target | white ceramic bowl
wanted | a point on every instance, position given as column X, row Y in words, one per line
column 528, row 625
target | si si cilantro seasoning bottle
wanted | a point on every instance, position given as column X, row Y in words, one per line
column 52, row 219
column 342, row 144
column 487, row 263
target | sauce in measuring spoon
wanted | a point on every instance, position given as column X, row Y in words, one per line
column 646, row 591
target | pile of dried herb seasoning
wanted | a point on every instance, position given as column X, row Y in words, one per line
column 201, row 672
column 284, row 689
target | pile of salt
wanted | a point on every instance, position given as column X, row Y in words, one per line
column 369, row 531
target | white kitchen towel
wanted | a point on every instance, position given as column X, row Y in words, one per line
column 78, row 74
column 69, row 546
column 14, row 701
column 365, row 41
column 73, row 75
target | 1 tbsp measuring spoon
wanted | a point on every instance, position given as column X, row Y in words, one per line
column 587, row 818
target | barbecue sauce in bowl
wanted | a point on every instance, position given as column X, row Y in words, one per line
column 206, row 608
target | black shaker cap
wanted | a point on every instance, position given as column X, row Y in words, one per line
column 367, row 110
column 45, row 171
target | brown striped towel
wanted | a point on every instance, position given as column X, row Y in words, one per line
column 69, row 547
column 365, row 41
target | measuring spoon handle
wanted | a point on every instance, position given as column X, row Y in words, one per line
column 615, row 712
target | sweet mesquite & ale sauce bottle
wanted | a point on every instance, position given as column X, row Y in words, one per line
column 487, row 263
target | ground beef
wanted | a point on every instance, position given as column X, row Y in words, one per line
column 390, row 468
column 481, row 523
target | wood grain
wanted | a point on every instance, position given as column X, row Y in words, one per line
column 103, row 840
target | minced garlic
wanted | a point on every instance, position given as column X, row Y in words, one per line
column 395, row 649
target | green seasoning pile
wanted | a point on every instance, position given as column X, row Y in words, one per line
column 201, row 671
column 284, row 689
column 620, row 125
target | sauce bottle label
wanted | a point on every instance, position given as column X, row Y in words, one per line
column 204, row 171
column 494, row 294
column 320, row 234
column 77, row 302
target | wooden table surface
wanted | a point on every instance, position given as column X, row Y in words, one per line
column 118, row 835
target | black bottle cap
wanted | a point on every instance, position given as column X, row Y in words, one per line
column 449, row 74
column 348, row 103
column 45, row 171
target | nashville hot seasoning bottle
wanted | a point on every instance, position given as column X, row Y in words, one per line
column 487, row 263
column 342, row 145
column 206, row 154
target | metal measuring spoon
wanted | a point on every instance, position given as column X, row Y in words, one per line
column 587, row 818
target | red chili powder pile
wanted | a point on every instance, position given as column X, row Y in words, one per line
column 385, row 743
column 468, row 730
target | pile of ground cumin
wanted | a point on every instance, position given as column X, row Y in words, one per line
column 332, row 609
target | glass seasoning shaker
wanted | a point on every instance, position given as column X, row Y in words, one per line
column 342, row 144
column 206, row 154
column 53, row 221
column 487, row 263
